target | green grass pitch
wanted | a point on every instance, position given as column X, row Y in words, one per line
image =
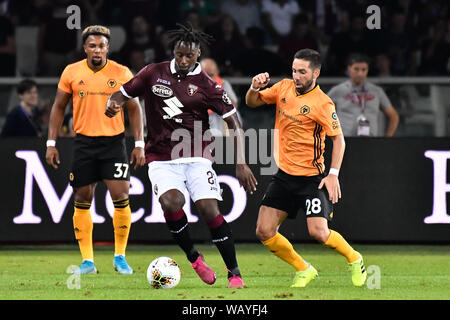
column 403, row 272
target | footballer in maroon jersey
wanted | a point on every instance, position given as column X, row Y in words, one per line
column 175, row 100
column 177, row 97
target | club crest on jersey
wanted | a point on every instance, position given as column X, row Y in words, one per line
column 305, row 110
column 162, row 91
column 81, row 93
column 112, row 83
column 192, row 89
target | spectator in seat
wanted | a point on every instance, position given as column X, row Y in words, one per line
column 22, row 120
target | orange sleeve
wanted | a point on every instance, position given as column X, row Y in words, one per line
column 329, row 120
column 128, row 74
column 270, row 95
column 64, row 81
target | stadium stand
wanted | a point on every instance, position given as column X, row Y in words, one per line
column 423, row 25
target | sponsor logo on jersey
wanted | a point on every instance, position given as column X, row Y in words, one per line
column 281, row 112
column 81, row 83
column 155, row 189
column 305, row 110
column 335, row 125
column 163, row 81
column 173, row 109
column 83, row 93
column 192, row 89
column 162, row 91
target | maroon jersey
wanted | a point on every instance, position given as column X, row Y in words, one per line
column 176, row 108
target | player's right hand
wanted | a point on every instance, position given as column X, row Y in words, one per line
column 331, row 183
column 52, row 157
column 112, row 108
column 138, row 156
column 246, row 178
column 260, row 80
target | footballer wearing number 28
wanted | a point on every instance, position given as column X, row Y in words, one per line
column 304, row 116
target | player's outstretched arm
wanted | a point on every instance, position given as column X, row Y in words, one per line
column 243, row 172
column 56, row 119
column 115, row 102
column 136, row 122
column 252, row 98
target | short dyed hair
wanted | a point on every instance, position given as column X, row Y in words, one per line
column 96, row 30
column 315, row 61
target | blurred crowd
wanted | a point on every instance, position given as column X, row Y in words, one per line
column 250, row 35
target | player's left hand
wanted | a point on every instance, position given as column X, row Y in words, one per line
column 331, row 182
column 138, row 156
column 246, row 178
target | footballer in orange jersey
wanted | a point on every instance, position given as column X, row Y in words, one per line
column 99, row 146
column 304, row 116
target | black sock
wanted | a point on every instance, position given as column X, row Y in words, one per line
column 223, row 239
column 180, row 232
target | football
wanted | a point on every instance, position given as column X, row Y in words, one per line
column 163, row 273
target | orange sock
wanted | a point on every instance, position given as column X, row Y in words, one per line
column 83, row 227
column 122, row 223
column 282, row 248
column 337, row 243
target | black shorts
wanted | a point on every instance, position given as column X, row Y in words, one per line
column 99, row 158
column 291, row 193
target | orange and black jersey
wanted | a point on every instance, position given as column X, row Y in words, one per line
column 90, row 91
column 302, row 121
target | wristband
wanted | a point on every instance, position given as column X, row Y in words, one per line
column 51, row 143
column 334, row 171
column 139, row 144
column 253, row 89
